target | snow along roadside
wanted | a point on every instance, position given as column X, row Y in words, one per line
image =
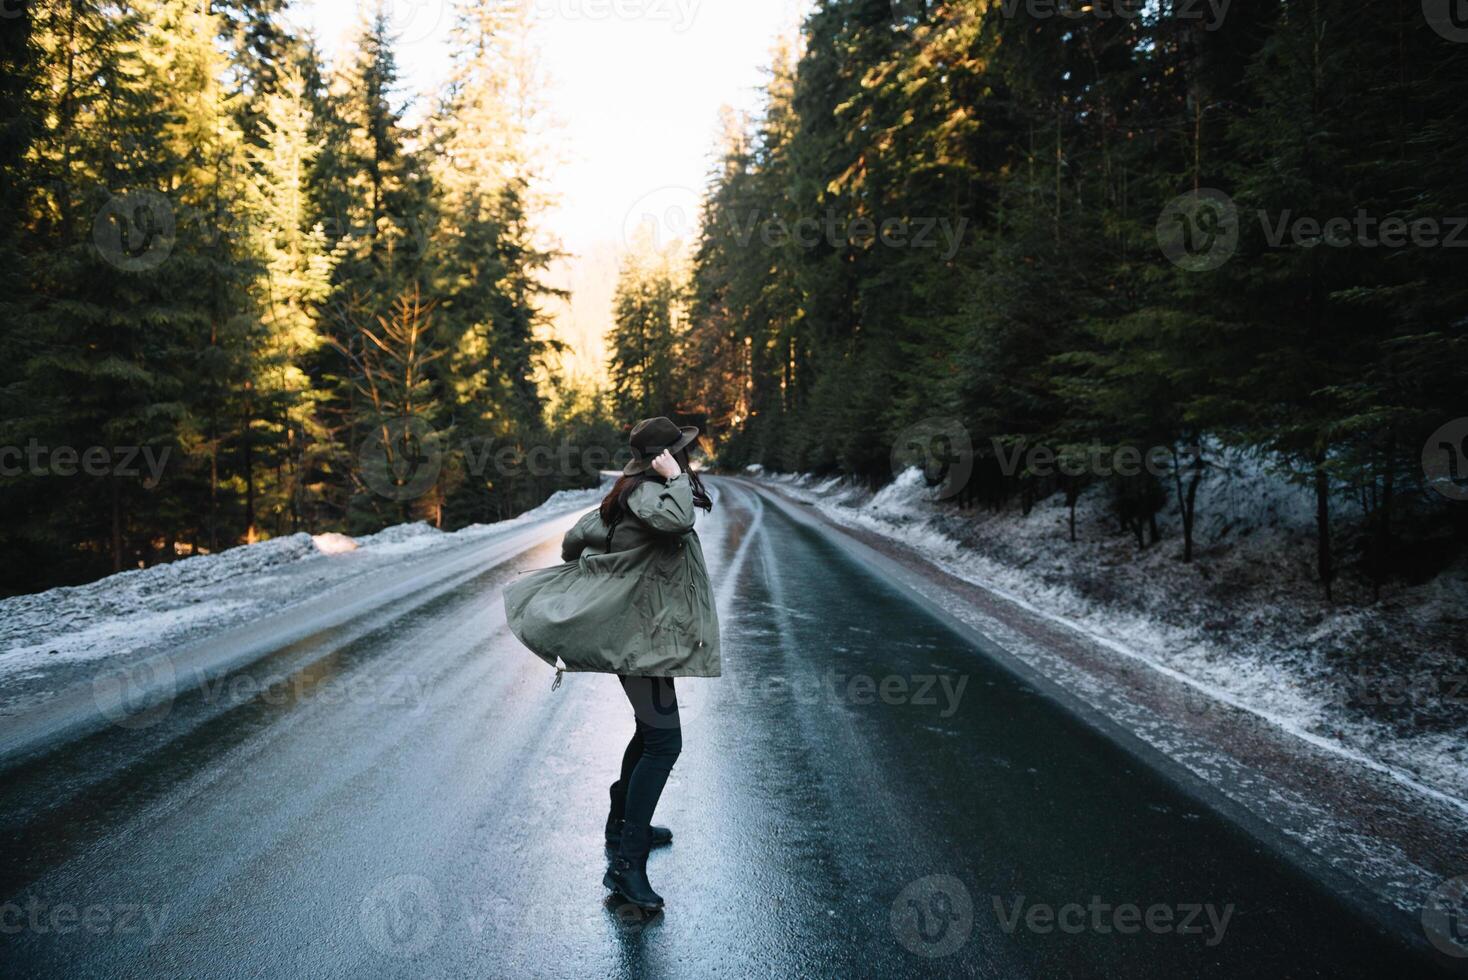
column 51, row 640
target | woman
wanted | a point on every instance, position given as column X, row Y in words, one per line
column 633, row 599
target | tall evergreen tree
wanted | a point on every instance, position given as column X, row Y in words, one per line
column 283, row 426
column 646, row 353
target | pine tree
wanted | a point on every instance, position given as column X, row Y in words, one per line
column 645, row 359
column 373, row 196
column 489, row 258
column 374, row 190
column 398, row 408
column 283, row 427
column 134, row 271
column 1295, row 152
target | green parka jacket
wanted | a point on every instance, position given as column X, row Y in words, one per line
column 642, row 608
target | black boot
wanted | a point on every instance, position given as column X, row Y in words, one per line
column 628, row 874
column 658, row 836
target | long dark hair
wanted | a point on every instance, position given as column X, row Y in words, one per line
column 614, row 504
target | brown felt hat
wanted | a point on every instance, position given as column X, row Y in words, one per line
column 651, row 437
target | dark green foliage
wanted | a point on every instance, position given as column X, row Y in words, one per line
column 231, row 260
column 1057, row 321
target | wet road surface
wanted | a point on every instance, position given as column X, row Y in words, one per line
column 863, row 793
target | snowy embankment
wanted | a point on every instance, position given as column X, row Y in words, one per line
column 49, row 637
column 1384, row 683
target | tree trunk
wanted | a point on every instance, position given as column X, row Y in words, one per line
column 116, row 526
column 213, row 457
column 1323, row 564
column 1383, row 544
column 294, row 470
column 249, row 466
column 1072, row 494
column 213, row 491
column 1187, row 501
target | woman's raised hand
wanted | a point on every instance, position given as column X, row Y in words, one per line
column 666, row 466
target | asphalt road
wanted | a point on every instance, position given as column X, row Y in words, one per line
column 864, row 793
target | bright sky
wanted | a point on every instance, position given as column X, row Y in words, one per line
column 636, row 91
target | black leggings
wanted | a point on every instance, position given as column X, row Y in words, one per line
column 654, row 746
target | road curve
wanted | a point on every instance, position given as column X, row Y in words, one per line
column 864, row 793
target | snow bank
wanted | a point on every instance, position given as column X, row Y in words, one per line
column 49, row 638
column 405, row 539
